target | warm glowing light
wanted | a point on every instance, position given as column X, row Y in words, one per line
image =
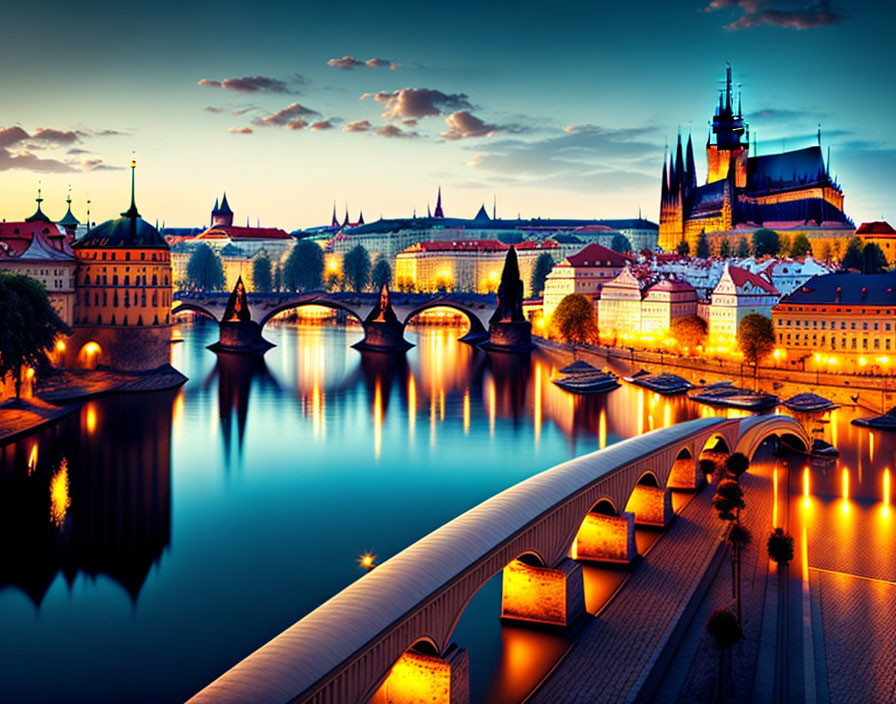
column 91, row 348
column 817, row 357
column 667, row 415
column 533, row 593
column 605, row 539
column 492, row 407
column 334, row 265
column 536, row 412
column 806, row 487
column 870, row 448
column 540, row 323
column 775, row 495
column 863, row 362
column 845, row 482
column 377, row 420
column 368, row 561
column 417, row 678
column 442, row 405
column 650, row 505
column 887, row 492
column 32, row 459
column 412, row 405
column 466, row 412
column 60, row 345
column 59, row 496
column 883, row 360
column 602, row 429
column 90, row 419
column 29, row 373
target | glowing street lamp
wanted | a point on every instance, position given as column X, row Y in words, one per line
column 367, row 561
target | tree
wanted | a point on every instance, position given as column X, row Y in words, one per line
column 540, row 271
column 683, row 249
column 756, row 339
column 702, row 246
column 853, row 258
column 873, row 259
column 725, row 249
column 304, row 268
column 780, row 547
column 356, row 268
column 278, row 277
column 574, row 320
column 826, row 251
column 620, row 243
column 743, row 248
column 766, row 241
column 689, row 331
column 725, row 630
column 801, row 246
column 261, row 273
column 381, row 275
column 204, row 270
column 738, row 539
column 736, row 464
column 28, row 326
column 785, row 243
column 334, row 281
column 728, row 499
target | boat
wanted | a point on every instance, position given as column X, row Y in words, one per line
column 667, row 384
column 726, row 394
column 887, row 421
column 637, row 374
column 820, row 448
column 581, row 378
column 809, row 403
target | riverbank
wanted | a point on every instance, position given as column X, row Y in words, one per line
column 65, row 390
column 874, row 393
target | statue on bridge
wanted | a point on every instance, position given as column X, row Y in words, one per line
column 508, row 329
column 239, row 334
column 383, row 331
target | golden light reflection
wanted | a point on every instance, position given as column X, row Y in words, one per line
column 667, row 415
column 602, row 429
column 834, row 427
column 887, row 486
column 90, row 416
column 412, row 405
column 870, row 447
column 466, row 412
column 377, row 420
column 492, row 407
column 775, row 494
column 536, row 413
column 441, row 405
column 32, row 459
column 59, row 495
column 806, row 487
column 432, row 420
column 640, row 411
column 317, row 415
column 532, row 593
column 845, row 482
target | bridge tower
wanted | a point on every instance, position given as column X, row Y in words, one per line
column 508, row 329
column 238, row 333
column 383, row 331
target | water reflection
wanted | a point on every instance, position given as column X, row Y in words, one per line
column 88, row 507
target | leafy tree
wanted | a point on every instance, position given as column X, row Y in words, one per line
column 204, row 270
column 785, row 244
column 620, row 243
column 801, row 246
column 743, row 248
column 683, row 249
column 574, row 320
column 702, row 246
column 873, row 259
column 689, row 332
column 766, row 241
column 278, row 277
column 381, row 274
column 28, row 326
column 540, row 271
column 304, row 268
column 261, row 273
column 725, row 249
column 736, row 464
column 334, row 281
column 826, row 252
column 728, row 499
column 707, row 467
column 853, row 258
column 725, row 630
column 780, row 547
column 356, row 268
column 756, row 339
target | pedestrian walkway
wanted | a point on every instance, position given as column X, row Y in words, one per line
column 615, row 651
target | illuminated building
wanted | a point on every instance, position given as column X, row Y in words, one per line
column 844, row 317
column 633, row 304
column 123, row 304
column 583, row 273
column 465, row 265
column 883, row 235
column 738, row 294
column 792, row 191
column 37, row 248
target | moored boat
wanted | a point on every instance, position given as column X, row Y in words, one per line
column 809, row 403
column 727, row 395
column 887, row 421
column 667, row 384
column 581, row 378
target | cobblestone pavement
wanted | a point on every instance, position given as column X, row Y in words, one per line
column 859, row 636
column 700, row 682
column 613, row 649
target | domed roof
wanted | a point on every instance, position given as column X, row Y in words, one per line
column 123, row 232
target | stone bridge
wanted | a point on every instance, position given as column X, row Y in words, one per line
column 263, row 308
column 390, row 631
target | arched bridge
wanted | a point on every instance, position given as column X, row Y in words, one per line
column 399, row 618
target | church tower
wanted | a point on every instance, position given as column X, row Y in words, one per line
column 678, row 182
column 732, row 139
column 222, row 215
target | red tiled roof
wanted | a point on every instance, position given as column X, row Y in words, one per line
column 16, row 237
column 742, row 276
column 877, row 227
column 243, row 233
column 595, row 255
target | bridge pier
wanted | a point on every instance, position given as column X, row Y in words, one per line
column 418, row 678
column 240, row 337
column 604, row 538
column 550, row 596
column 383, row 336
column 685, row 475
column 651, row 505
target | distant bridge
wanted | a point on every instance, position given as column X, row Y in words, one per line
column 394, row 625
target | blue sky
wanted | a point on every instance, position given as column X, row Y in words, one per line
column 554, row 110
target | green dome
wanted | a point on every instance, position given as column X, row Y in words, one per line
column 123, row 232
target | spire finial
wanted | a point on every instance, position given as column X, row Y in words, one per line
column 132, row 211
column 68, row 198
column 38, row 199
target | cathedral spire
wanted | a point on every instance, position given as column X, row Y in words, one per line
column 664, row 193
column 690, row 168
column 680, row 176
column 439, row 213
column 334, row 222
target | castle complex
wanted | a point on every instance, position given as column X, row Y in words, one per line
column 790, row 192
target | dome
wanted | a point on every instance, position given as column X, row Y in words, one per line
column 123, row 232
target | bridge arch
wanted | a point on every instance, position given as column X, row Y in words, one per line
column 194, row 308
column 757, row 429
column 310, row 301
column 476, row 326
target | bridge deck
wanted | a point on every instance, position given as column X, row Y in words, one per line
column 613, row 652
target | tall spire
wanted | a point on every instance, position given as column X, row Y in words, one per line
column 132, row 211
column 690, row 179
column 439, row 213
column 334, row 222
column 728, row 86
column 494, row 206
column 428, row 212
column 680, row 176
column 38, row 214
column 345, row 222
column 664, row 193
column 360, row 217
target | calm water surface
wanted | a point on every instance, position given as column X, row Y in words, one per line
column 150, row 542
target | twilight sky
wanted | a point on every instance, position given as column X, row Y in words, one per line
column 557, row 110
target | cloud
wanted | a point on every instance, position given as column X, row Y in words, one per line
column 347, row 63
column 290, row 114
column 239, row 130
column 358, row 126
column 27, row 161
column 755, row 13
column 395, row 132
column 214, row 110
column 249, row 84
column 76, row 150
column 98, row 165
column 12, row 135
column 321, row 125
column 296, row 124
column 419, row 102
column 463, row 125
